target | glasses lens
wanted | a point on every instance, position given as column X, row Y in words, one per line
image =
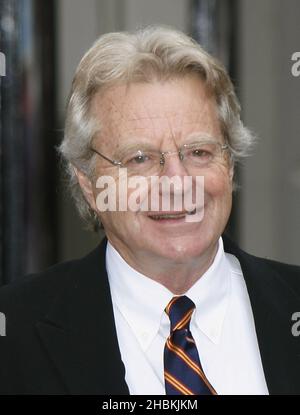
column 141, row 161
column 201, row 154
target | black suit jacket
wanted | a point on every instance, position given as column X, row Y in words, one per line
column 61, row 336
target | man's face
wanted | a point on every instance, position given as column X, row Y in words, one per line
column 162, row 115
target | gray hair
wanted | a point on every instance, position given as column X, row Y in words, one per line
column 151, row 53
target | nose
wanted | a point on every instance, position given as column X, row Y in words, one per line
column 173, row 165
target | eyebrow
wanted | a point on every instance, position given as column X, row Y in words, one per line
column 133, row 147
column 201, row 136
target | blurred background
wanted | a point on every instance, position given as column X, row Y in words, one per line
column 41, row 44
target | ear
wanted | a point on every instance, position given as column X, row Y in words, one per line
column 86, row 187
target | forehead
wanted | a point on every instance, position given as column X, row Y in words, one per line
column 156, row 112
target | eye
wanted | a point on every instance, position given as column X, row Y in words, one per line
column 139, row 158
column 201, row 153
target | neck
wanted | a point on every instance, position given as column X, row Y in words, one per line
column 177, row 276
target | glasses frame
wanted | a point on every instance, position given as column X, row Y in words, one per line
column 163, row 153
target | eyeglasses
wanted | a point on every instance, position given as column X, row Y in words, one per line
column 197, row 155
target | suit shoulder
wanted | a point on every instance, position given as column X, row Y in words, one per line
column 288, row 273
column 29, row 297
column 34, row 292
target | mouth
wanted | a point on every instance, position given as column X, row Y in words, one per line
column 170, row 216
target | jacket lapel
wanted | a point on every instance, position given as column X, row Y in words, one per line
column 79, row 332
column 273, row 303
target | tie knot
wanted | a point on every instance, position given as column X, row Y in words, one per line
column 180, row 310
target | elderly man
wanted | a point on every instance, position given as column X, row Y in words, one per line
column 166, row 304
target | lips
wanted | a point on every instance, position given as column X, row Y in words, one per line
column 167, row 216
column 170, row 215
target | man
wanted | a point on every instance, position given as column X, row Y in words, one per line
column 166, row 304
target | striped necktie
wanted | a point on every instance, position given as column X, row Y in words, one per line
column 182, row 368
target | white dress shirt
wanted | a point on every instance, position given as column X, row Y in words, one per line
column 222, row 326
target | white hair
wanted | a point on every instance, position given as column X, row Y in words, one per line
column 145, row 55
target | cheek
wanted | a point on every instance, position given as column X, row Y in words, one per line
column 124, row 201
column 121, row 223
column 218, row 184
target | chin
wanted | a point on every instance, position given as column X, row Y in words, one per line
column 181, row 250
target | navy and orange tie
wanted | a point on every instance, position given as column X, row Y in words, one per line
column 182, row 368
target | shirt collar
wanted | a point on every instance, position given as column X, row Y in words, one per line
column 133, row 294
column 211, row 293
